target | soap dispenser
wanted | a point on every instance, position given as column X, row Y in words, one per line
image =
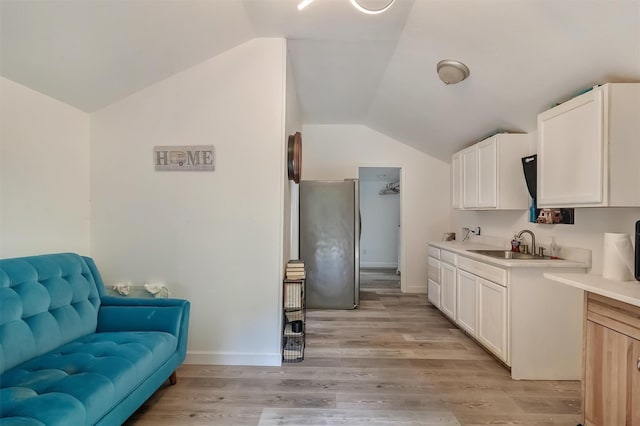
column 554, row 249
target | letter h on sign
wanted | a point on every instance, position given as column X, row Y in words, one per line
column 162, row 158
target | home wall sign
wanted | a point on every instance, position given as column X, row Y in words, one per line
column 184, row 157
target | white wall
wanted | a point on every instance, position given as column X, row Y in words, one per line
column 216, row 238
column 588, row 231
column 337, row 151
column 380, row 220
column 44, row 174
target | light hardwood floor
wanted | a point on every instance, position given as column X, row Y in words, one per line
column 394, row 361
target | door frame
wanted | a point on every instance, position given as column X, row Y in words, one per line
column 403, row 257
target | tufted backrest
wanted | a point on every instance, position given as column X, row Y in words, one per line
column 45, row 301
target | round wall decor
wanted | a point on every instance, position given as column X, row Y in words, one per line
column 294, row 156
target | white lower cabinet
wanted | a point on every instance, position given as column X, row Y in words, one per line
column 441, row 280
column 433, row 277
column 448, row 289
column 467, row 302
column 482, row 312
column 492, row 317
column 433, row 292
column 474, row 295
column 530, row 323
column 433, row 269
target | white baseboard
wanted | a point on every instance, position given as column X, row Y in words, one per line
column 420, row 288
column 233, row 358
column 378, row 264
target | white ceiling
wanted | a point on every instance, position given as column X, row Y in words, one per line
column 352, row 68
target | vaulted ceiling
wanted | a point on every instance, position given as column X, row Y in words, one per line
column 349, row 68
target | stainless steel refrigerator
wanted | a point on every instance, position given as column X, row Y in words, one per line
column 330, row 243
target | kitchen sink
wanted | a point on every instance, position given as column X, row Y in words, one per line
column 507, row 254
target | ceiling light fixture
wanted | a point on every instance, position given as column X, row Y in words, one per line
column 369, row 11
column 451, row 71
column 357, row 4
column 303, row 4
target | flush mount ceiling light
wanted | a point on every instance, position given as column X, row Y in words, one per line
column 375, row 7
column 451, row 71
column 370, row 7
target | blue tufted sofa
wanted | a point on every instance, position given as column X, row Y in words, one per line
column 70, row 355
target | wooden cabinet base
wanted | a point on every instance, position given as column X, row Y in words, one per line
column 611, row 376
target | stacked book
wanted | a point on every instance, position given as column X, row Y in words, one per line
column 295, row 270
column 292, row 296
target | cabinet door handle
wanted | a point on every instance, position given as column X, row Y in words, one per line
column 638, row 364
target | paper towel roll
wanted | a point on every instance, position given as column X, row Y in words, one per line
column 618, row 261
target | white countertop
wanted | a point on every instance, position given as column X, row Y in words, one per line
column 462, row 248
column 624, row 291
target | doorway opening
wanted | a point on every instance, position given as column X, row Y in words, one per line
column 380, row 239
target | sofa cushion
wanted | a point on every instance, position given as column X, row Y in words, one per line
column 45, row 302
column 81, row 381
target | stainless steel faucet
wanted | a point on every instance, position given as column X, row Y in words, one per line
column 533, row 239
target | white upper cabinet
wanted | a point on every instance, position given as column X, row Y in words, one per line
column 588, row 149
column 470, row 177
column 456, row 180
column 492, row 176
column 487, row 173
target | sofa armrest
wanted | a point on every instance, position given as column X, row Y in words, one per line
column 131, row 314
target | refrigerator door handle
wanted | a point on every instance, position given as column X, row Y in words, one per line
column 358, row 224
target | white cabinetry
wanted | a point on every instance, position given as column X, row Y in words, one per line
column 448, row 289
column 492, row 317
column 530, row 323
column 456, row 180
column 588, row 149
column 487, row 320
column 487, row 173
column 433, row 276
column 467, row 300
column 433, row 292
column 492, row 176
column 470, row 177
column 441, row 282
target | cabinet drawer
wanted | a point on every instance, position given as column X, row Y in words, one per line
column 614, row 314
column 433, row 269
column 434, row 252
column 448, row 256
column 484, row 270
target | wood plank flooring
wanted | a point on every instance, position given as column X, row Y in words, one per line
column 394, row 361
